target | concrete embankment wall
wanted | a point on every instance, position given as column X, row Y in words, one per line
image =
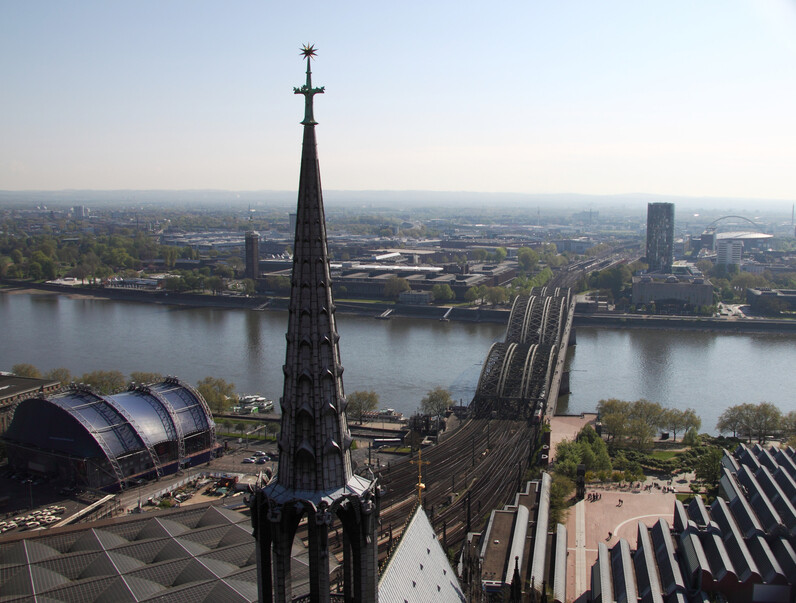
column 139, row 295
column 629, row 321
column 276, row 303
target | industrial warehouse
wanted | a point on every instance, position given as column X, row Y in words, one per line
column 85, row 439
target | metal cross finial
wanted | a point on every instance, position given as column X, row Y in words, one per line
column 420, row 485
column 309, row 52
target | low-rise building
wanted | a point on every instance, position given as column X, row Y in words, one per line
column 14, row 389
column 692, row 290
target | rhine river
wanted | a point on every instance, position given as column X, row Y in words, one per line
column 400, row 359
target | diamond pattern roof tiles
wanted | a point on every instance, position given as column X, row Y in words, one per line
column 97, row 540
column 166, row 560
column 26, row 551
column 159, row 527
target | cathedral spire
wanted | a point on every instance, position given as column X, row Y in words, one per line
column 315, row 478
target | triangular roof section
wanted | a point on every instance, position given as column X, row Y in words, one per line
column 101, row 565
column 194, row 572
column 189, row 592
column 237, row 534
column 145, row 551
column 97, row 540
column 236, row 554
column 418, row 570
column 164, row 573
column 216, row 516
column 129, row 586
column 84, row 590
column 209, row 537
column 26, row 551
column 31, row 580
column 231, row 591
column 179, row 549
column 158, row 527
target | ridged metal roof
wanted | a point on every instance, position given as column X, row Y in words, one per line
column 137, row 560
column 117, row 425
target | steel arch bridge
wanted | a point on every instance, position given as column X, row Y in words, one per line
column 517, row 372
column 716, row 221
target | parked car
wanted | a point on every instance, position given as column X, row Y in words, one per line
column 248, row 460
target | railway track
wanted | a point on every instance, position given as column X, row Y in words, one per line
column 483, row 461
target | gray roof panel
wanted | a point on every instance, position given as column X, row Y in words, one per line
column 624, row 578
column 648, row 583
column 770, row 568
column 419, row 555
column 670, row 574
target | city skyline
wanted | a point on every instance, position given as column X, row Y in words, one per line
column 605, row 99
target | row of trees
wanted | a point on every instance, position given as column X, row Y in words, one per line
column 760, row 421
column 635, row 423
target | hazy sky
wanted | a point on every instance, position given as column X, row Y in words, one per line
column 553, row 96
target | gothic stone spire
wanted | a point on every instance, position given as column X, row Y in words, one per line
column 315, row 441
column 314, row 479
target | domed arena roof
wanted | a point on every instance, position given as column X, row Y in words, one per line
column 82, row 423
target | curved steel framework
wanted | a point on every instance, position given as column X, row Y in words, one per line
column 138, row 431
column 196, row 410
column 515, row 378
column 129, row 434
column 92, row 399
column 168, row 416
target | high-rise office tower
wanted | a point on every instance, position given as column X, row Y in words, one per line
column 315, row 480
column 252, row 244
column 660, row 236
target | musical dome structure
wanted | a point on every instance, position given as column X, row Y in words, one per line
column 86, row 439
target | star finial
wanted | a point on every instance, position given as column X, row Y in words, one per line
column 309, row 51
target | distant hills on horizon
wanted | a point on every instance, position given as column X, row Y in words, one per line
column 408, row 199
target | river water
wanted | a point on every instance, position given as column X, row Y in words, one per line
column 400, row 359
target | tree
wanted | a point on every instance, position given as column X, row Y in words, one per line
column 105, row 382
column 360, row 402
column 527, row 259
column 442, row 293
column 708, row 467
column 142, row 377
column 473, row 294
column 561, row 488
column 731, row 420
column 436, row 402
column 647, row 412
column 249, row 286
column 496, row 295
column 614, row 417
column 395, row 286
column 278, row 284
column 673, row 420
column 788, row 423
column 217, row 393
column 240, row 427
column 215, row 284
column 691, row 437
column 61, row 375
column 26, row 370
column 691, row 420
column 640, row 433
column 765, row 420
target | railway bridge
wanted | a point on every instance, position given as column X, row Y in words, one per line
column 482, row 464
column 521, row 375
